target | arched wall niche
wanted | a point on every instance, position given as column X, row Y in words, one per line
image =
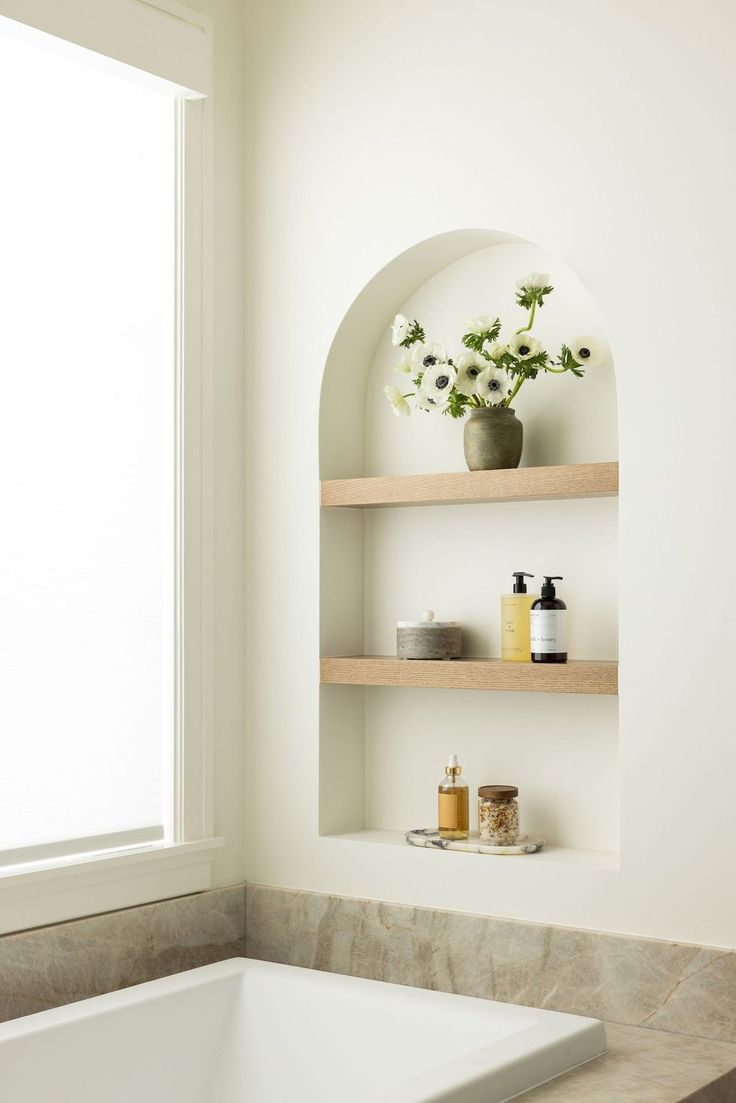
column 342, row 413
column 381, row 748
column 451, row 276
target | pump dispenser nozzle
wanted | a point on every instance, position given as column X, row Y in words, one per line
column 519, row 583
column 453, row 767
column 548, row 586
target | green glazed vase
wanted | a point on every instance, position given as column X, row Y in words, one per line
column 493, row 439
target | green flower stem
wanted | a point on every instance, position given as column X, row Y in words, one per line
column 517, row 388
column 557, row 371
column 530, row 323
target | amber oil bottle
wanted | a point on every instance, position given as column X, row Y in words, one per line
column 453, row 813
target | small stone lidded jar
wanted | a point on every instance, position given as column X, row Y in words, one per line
column 498, row 814
column 428, row 638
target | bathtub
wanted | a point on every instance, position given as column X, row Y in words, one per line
column 252, row 1032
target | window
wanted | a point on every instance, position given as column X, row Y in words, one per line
column 103, row 724
column 86, row 453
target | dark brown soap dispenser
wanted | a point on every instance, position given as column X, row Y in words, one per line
column 549, row 625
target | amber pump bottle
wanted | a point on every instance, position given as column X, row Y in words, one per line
column 453, row 809
column 548, row 628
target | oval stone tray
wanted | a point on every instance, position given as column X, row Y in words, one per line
column 428, row 836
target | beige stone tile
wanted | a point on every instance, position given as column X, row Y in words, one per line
column 610, row 977
column 679, row 988
column 455, row 954
column 722, row 1090
column 60, row 964
column 647, row 1066
column 635, row 981
column 703, row 1000
column 284, row 926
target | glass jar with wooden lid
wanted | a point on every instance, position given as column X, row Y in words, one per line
column 498, row 814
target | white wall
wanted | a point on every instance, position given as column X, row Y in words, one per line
column 602, row 132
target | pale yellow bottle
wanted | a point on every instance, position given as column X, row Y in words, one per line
column 515, row 621
column 453, row 806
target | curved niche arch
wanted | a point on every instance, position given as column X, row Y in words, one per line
column 379, row 566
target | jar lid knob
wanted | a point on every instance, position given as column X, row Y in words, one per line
column 428, row 615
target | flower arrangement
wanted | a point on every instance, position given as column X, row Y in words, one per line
column 490, row 372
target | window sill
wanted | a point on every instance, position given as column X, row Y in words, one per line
column 37, row 894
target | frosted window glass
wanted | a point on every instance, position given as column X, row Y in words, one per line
column 86, row 449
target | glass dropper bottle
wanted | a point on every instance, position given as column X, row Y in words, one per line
column 452, row 803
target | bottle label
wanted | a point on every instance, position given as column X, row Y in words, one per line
column 448, row 804
column 549, row 631
column 515, row 626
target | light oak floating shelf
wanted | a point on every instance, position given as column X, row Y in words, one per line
column 582, row 676
column 520, row 484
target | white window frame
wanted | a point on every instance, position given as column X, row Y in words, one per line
column 164, row 41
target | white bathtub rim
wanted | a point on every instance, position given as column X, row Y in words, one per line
column 441, row 1082
column 435, row 1085
column 471, row 1071
column 92, row 1006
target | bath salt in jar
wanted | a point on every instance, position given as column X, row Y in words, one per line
column 498, row 814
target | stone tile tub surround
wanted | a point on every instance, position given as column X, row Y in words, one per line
column 635, row 981
column 648, row 1066
column 50, row 966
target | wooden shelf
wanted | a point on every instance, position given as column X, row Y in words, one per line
column 586, row 676
column 520, row 484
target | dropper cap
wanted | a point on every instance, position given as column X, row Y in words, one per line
column 519, row 583
column 453, row 768
column 548, row 587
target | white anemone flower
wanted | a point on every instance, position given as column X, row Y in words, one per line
column 493, row 385
column 535, row 281
column 405, row 366
column 469, row 367
column 428, row 402
column 400, row 329
column 495, row 349
column 523, row 346
column 399, row 405
column 438, row 381
column 480, row 325
column 425, row 354
column 587, row 351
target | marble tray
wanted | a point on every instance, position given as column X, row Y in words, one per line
column 428, row 836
